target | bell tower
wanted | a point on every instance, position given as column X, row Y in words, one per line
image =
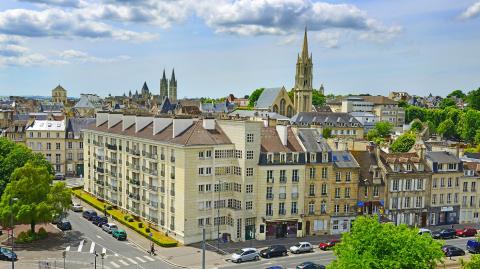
column 303, row 79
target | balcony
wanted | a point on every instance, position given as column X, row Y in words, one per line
column 112, row 146
column 270, row 180
column 153, row 204
column 377, row 181
column 269, row 196
column 134, row 152
column 100, row 170
column 150, row 171
column 112, row 160
column 136, row 211
column 162, row 157
column 162, row 189
column 312, row 194
column 134, row 196
column 153, row 188
column 172, row 176
column 135, row 167
column 295, row 195
column 281, row 212
column 113, row 174
column 100, row 182
column 149, row 155
column 135, row 182
column 282, row 196
column 283, row 179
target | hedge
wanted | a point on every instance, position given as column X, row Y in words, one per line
column 116, row 214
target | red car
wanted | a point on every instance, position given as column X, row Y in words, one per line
column 466, row 232
column 328, row 244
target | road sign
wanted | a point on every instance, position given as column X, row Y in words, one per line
column 360, row 203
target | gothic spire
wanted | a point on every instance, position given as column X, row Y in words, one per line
column 164, row 77
column 305, row 45
column 173, row 74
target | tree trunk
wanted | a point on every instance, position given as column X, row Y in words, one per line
column 32, row 226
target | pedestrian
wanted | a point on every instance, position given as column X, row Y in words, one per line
column 152, row 249
column 452, row 226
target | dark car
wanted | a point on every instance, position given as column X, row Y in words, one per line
column 328, row 244
column 444, row 234
column 99, row 220
column 452, row 251
column 310, row 265
column 119, row 234
column 7, row 255
column 89, row 214
column 276, row 267
column 466, row 232
column 64, row 225
column 274, row 251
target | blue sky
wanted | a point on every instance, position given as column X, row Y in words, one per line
column 233, row 46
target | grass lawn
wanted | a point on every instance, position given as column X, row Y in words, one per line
column 158, row 237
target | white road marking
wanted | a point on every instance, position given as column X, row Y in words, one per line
column 92, row 247
column 114, row 264
column 98, row 236
column 149, row 258
column 67, row 249
column 132, row 260
column 140, row 259
column 104, row 250
column 123, row 262
column 80, row 246
column 116, row 254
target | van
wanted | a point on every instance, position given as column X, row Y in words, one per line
column 473, row 246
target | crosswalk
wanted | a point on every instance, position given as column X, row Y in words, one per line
column 112, row 259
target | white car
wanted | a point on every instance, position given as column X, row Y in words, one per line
column 109, row 227
column 77, row 208
column 423, row 231
column 301, row 247
column 245, row 254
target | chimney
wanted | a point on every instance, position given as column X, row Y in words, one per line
column 180, row 125
column 101, row 118
column 208, row 124
column 114, row 119
column 282, row 131
column 128, row 121
column 159, row 124
column 142, row 122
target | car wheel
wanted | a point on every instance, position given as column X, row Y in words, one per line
column 257, row 258
column 285, row 253
column 239, row 260
column 268, row 256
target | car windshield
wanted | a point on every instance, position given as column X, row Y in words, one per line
column 297, row 245
column 113, row 226
column 121, row 232
column 6, row 250
column 239, row 252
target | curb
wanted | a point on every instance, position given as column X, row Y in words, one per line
column 160, row 257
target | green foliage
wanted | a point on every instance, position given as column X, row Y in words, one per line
column 147, row 229
column 254, row 96
column 384, row 128
column 446, row 129
column 474, row 262
column 473, row 99
column 327, row 132
column 29, row 236
column 371, row 245
column 140, row 225
column 318, row 99
column 416, row 126
column 415, row 112
column 13, row 156
column 458, row 94
column 446, row 102
column 403, row 143
column 37, row 201
column 402, row 103
column 208, row 100
column 468, row 124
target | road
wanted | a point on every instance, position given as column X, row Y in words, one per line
column 319, row 257
column 86, row 239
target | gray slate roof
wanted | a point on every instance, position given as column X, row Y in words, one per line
column 76, row 125
column 267, row 97
column 89, row 101
column 337, row 119
column 442, row 157
column 312, row 140
column 343, row 159
column 263, row 114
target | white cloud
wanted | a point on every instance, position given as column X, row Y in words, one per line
column 471, row 12
column 328, row 39
column 83, row 57
column 63, row 3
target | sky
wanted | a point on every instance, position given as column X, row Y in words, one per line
column 219, row 47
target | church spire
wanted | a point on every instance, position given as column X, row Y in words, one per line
column 305, row 45
column 164, row 77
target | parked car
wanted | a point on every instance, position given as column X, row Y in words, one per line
column 301, row 247
column 59, row 176
column 89, row 214
column 466, row 232
column 444, row 234
column 119, row 234
column 77, row 208
column 328, row 244
column 7, row 254
column 274, row 251
column 245, row 254
column 452, row 251
column 100, row 220
column 310, row 265
column 57, row 218
column 423, row 231
column 109, row 227
column 276, row 267
column 473, row 246
column 64, row 225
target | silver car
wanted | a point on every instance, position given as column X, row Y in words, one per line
column 245, row 254
column 109, row 227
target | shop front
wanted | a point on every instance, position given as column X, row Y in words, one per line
column 282, row 229
column 444, row 215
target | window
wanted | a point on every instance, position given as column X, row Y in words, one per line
column 57, row 146
column 375, row 191
column 324, row 172
column 249, row 172
column 294, row 209
column 208, row 154
column 409, row 167
column 325, row 157
column 313, row 157
column 456, row 182
column 281, row 208
column 452, row 166
column 311, row 207
column 80, row 145
column 441, row 198
column 201, row 188
column 442, row 182
column 335, row 225
column 70, row 145
column 49, row 146
column 434, row 199
column 270, row 176
column 208, row 187
column 249, row 205
column 348, row 176
column 449, row 198
column 201, row 155
column 449, row 182
column 269, row 210
column 70, row 156
column 311, row 190
column 337, row 192
column 57, row 158
column 249, row 154
column 455, row 198
column 346, row 208
column 465, row 186
column 406, row 203
column 312, row 172
column 419, row 202
column 283, row 176
column 408, row 184
column 269, row 193
column 249, row 188
column 434, row 183
column 336, row 209
column 338, row 176
column 238, row 154
column 347, row 192
column 249, row 138
column 420, row 184
column 200, row 222
column 295, row 175
column 394, row 203
column 395, row 184
column 324, row 189
column 323, row 207
column 474, row 186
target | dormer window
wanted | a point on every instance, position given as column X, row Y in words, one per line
column 295, row 157
column 409, row 167
column 325, row 157
column 452, row 166
column 313, row 157
column 269, row 158
column 396, row 168
column 282, row 157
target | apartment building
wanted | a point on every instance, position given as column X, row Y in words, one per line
column 16, row 131
column 469, row 192
column 407, row 182
column 48, row 138
column 74, row 145
column 342, row 125
column 447, row 170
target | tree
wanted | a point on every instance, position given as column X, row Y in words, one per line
column 254, row 96
column 473, row 99
column 447, row 102
column 468, row 124
column 416, row 126
column 458, row 94
column 37, row 201
column 415, row 112
column 327, row 132
column 403, row 143
column 402, row 103
column 446, row 128
column 318, row 99
column 384, row 128
column 372, row 245
column 474, row 262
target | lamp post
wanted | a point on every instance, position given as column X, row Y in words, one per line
column 12, row 199
column 103, row 256
column 64, row 254
column 95, row 259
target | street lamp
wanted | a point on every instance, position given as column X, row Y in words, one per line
column 64, row 254
column 12, row 199
column 103, row 256
column 95, row 261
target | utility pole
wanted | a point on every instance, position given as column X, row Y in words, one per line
column 64, row 254
column 203, row 247
column 95, row 261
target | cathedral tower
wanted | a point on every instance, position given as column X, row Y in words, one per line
column 163, row 87
column 303, row 80
column 172, row 88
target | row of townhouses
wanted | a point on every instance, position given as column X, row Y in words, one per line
column 245, row 179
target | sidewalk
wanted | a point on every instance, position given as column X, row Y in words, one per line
column 178, row 257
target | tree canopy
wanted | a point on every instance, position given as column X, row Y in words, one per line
column 457, row 93
column 403, row 143
column 252, row 99
column 372, row 245
column 446, row 102
column 327, row 132
column 474, row 262
column 416, row 126
column 318, row 99
column 473, row 99
column 37, row 201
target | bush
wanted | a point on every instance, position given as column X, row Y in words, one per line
column 23, row 237
column 147, row 230
column 126, row 217
column 42, row 233
column 140, row 225
column 109, row 207
column 130, row 219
